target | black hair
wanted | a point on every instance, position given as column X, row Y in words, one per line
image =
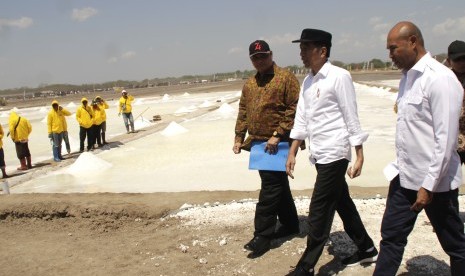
column 326, row 44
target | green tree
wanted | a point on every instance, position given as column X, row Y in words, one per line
column 378, row 64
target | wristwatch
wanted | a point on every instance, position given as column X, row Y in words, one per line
column 276, row 134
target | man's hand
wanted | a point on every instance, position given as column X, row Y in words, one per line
column 50, row 136
column 119, row 113
column 237, row 147
column 424, row 197
column 272, row 145
column 290, row 163
column 356, row 169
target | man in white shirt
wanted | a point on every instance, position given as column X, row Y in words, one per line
column 327, row 116
column 429, row 102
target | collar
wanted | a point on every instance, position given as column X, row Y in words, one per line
column 421, row 65
column 324, row 70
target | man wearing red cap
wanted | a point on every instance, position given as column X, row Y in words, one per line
column 266, row 113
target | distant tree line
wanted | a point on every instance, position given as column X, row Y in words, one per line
column 48, row 90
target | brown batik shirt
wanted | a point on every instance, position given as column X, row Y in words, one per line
column 268, row 104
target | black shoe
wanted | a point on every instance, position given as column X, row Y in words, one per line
column 258, row 245
column 360, row 257
column 247, row 246
column 284, row 231
column 300, row 271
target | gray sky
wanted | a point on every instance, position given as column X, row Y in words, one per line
column 73, row 41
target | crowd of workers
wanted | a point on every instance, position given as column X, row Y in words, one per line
column 91, row 118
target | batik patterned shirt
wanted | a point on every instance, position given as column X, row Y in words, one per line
column 268, row 104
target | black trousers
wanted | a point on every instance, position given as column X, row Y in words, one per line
column 399, row 220
column 83, row 133
column 2, row 158
column 95, row 135
column 275, row 202
column 22, row 150
column 331, row 194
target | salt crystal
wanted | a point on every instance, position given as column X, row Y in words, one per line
column 223, row 242
column 183, row 248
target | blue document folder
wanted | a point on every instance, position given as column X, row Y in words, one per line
column 261, row 160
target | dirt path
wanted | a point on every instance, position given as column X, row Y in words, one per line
column 135, row 234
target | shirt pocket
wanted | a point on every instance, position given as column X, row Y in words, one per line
column 416, row 107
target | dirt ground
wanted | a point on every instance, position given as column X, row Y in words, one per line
column 136, row 234
column 143, row 234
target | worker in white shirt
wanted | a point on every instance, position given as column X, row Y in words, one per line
column 327, row 116
column 429, row 103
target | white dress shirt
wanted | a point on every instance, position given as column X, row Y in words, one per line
column 327, row 115
column 428, row 103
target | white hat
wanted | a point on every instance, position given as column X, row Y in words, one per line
column 124, row 91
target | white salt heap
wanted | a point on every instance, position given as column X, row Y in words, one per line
column 206, row 103
column 88, row 164
column 173, row 129
column 70, row 105
column 142, row 122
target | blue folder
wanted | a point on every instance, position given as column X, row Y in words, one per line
column 261, row 160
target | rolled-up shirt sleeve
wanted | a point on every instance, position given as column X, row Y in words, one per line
column 345, row 93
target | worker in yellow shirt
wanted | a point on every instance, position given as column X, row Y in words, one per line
column 125, row 108
column 55, row 125
column 84, row 116
column 20, row 129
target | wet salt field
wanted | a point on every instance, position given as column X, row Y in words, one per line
column 193, row 154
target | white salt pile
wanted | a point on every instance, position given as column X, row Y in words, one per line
column 173, row 129
column 71, row 104
column 206, row 103
column 166, row 97
column 226, row 108
column 181, row 111
column 88, row 164
column 141, row 122
column 225, row 111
